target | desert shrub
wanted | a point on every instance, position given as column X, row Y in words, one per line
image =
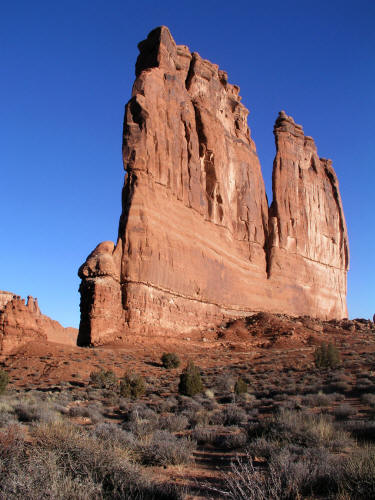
column 6, row 412
column 141, row 421
column 113, row 435
column 87, row 412
column 224, row 383
column 344, row 411
column 360, row 429
column 319, row 399
column 132, row 385
column 341, row 386
column 302, row 429
column 196, row 418
column 231, row 441
column 240, row 386
column 190, row 381
column 290, row 475
column 234, row 415
column 262, row 447
column 39, row 476
column 217, row 418
column 327, row 356
column 4, row 380
column 358, row 478
column 220, row 437
column 307, row 472
column 6, row 418
column 167, row 405
column 170, row 360
column 103, row 379
column 364, row 385
column 173, row 423
column 165, row 449
column 35, row 412
column 107, row 469
column 205, row 435
column 337, row 396
column 246, row 483
column 12, row 441
column 369, row 399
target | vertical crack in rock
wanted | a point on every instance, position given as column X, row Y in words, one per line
column 197, row 242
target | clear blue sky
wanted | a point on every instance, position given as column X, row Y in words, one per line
column 66, row 71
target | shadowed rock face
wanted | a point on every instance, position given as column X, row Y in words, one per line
column 21, row 322
column 196, row 242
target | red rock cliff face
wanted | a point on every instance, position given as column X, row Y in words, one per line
column 308, row 245
column 22, row 322
column 194, row 244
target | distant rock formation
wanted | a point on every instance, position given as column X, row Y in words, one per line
column 197, row 241
column 22, row 322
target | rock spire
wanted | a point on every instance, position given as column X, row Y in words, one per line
column 197, row 241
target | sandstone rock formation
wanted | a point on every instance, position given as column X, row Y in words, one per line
column 308, row 245
column 22, row 322
column 197, row 241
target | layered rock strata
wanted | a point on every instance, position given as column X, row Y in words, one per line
column 196, row 241
column 22, row 322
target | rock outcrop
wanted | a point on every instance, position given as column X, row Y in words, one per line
column 196, row 241
column 308, row 244
column 21, row 322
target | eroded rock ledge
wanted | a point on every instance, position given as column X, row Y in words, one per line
column 197, row 241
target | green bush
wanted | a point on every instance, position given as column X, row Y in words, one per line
column 170, row 360
column 103, row 379
column 190, row 381
column 132, row 386
column 4, row 379
column 327, row 356
column 240, row 386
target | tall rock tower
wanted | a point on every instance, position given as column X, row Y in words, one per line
column 196, row 242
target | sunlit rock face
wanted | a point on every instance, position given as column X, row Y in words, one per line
column 308, row 243
column 21, row 322
column 196, row 243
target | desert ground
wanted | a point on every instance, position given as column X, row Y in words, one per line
column 294, row 430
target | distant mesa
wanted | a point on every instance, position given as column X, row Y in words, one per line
column 197, row 241
column 22, row 322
